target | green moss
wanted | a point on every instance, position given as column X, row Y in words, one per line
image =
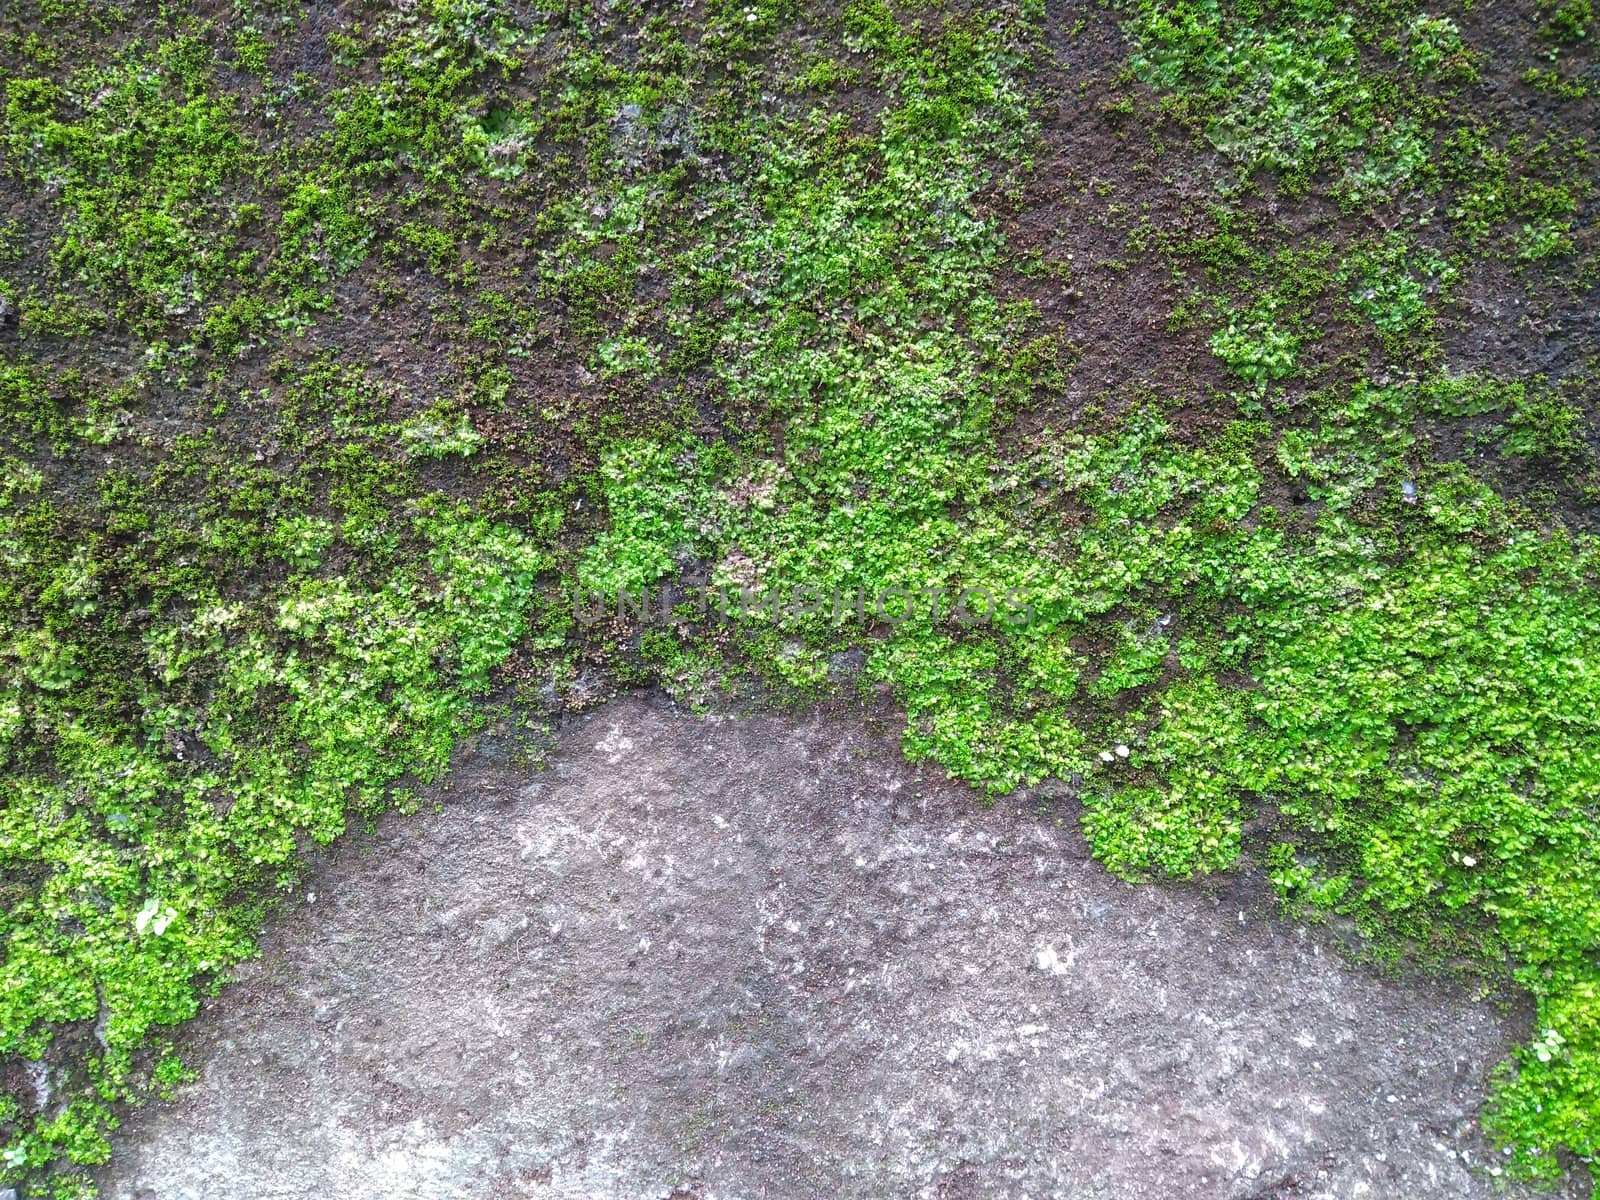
column 694, row 312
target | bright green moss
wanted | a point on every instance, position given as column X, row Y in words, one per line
column 235, row 616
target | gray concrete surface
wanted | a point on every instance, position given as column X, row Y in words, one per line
column 764, row 958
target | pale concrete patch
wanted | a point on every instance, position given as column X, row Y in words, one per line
column 765, row 958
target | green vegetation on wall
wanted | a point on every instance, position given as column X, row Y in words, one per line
column 333, row 358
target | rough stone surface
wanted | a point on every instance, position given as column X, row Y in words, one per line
column 764, row 958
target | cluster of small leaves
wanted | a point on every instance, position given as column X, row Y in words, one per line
column 1353, row 99
column 168, row 742
column 1292, row 97
column 1402, row 657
